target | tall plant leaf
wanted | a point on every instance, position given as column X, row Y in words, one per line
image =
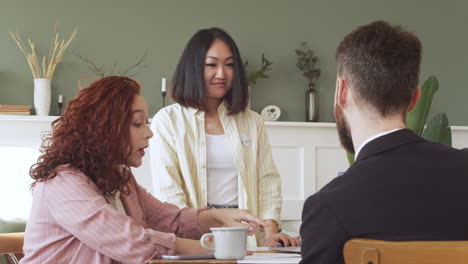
column 416, row 119
column 350, row 157
column 438, row 130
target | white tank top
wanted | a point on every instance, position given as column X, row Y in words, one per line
column 221, row 171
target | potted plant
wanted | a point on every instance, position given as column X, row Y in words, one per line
column 252, row 77
column 437, row 129
column 259, row 74
column 306, row 61
column 43, row 69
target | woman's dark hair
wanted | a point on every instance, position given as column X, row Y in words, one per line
column 188, row 84
column 93, row 135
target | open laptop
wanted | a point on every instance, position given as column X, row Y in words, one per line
column 286, row 249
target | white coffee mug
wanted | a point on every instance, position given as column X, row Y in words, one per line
column 229, row 242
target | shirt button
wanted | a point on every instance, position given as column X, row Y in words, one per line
column 148, row 238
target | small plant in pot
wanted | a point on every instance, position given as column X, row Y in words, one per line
column 306, row 61
column 253, row 76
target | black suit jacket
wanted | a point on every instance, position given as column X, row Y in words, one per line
column 401, row 187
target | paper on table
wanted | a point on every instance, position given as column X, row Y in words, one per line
column 264, row 258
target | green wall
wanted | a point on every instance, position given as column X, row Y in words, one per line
column 121, row 31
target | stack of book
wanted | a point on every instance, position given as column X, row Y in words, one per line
column 15, row 109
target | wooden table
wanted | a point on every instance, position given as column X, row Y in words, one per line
column 204, row 261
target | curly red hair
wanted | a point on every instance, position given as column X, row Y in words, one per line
column 93, row 135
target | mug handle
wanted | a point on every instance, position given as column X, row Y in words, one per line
column 202, row 241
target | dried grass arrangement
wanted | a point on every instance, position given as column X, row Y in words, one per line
column 45, row 68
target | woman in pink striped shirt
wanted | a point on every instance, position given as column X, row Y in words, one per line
column 87, row 206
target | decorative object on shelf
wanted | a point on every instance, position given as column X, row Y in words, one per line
column 163, row 91
column 306, row 63
column 42, row 96
column 259, row 74
column 271, row 113
column 101, row 71
column 60, row 104
column 15, row 109
column 43, row 70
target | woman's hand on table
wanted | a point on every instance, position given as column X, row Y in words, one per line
column 230, row 218
column 272, row 240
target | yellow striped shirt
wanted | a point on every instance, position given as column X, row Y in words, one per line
column 178, row 159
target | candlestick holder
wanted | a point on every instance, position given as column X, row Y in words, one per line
column 60, row 108
column 163, row 94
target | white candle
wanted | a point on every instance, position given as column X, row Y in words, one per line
column 163, row 85
column 60, row 98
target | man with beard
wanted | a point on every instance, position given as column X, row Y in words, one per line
column 401, row 187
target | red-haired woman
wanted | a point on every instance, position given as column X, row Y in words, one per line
column 87, row 206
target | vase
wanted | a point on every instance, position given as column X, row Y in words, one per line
column 312, row 107
column 42, row 96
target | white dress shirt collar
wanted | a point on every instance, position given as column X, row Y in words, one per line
column 372, row 138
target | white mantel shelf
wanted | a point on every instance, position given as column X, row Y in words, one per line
column 267, row 123
column 27, row 118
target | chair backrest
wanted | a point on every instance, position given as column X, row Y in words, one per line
column 368, row 251
column 11, row 226
column 11, row 243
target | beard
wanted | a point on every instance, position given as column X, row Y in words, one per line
column 344, row 132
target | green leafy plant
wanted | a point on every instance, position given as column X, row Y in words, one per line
column 255, row 75
column 306, row 63
column 437, row 129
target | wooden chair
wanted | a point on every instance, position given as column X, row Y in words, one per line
column 11, row 243
column 368, row 251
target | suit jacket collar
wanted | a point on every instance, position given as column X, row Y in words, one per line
column 387, row 142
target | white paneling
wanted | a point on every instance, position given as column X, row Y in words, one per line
column 322, row 157
column 143, row 173
column 459, row 137
column 292, row 209
column 15, row 197
column 291, row 227
column 326, row 170
column 290, row 164
column 19, row 149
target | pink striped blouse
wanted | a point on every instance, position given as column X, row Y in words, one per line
column 71, row 222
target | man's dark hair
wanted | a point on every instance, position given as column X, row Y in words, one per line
column 382, row 63
column 188, row 84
